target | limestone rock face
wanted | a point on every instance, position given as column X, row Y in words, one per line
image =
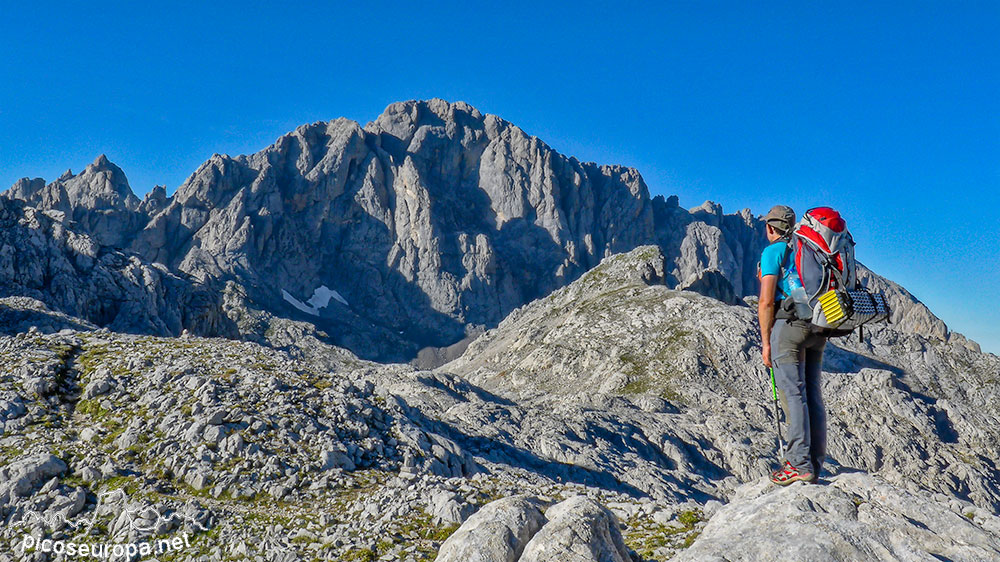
column 432, row 217
column 706, row 239
column 99, row 200
column 711, row 283
column 854, row 517
column 155, row 201
column 44, row 257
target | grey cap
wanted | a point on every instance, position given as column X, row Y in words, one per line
column 781, row 218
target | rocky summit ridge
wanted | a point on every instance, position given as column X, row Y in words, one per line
column 588, row 383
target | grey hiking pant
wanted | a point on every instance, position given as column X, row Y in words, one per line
column 797, row 357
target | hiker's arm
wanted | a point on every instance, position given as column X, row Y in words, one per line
column 765, row 314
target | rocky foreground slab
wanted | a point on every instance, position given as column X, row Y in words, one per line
column 850, row 517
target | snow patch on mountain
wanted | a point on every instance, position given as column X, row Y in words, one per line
column 319, row 299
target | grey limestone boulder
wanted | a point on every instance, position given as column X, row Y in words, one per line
column 18, row 478
column 578, row 530
column 498, row 532
column 449, row 508
column 336, row 459
column 96, row 387
column 11, row 407
column 514, row 529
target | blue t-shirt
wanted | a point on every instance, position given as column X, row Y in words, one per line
column 770, row 264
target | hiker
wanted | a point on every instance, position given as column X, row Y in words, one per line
column 795, row 354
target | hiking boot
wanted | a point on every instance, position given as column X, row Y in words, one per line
column 788, row 474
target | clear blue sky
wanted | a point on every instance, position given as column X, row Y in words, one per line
column 888, row 111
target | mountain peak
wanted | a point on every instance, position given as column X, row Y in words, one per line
column 98, row 199
column 102, row 164
column 441, row 108
column 402, row 119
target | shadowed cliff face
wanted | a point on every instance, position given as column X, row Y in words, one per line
column 409, row 232
column 43, row 257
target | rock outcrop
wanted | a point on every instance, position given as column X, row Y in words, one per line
column 44, row 257
column 578, row 530
column 514, row 530
column 610, row 333
column 99, row 201
column 498, row 532
column 853, row 517
column 18, row 478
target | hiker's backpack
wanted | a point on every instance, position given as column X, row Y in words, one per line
column 821, row 249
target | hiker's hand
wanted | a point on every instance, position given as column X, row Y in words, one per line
column 766, row 355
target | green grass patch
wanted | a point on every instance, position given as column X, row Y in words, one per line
column 360, row 555
column 91, row 408
column 690, row 518
column 637, row 386
column 647, row 537
column 128, row 484
column 90, row 359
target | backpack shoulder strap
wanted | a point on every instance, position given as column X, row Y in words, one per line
column 786, row 253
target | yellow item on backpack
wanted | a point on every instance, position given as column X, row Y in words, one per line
column 836, row 306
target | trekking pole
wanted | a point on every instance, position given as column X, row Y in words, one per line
column 777, row 424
